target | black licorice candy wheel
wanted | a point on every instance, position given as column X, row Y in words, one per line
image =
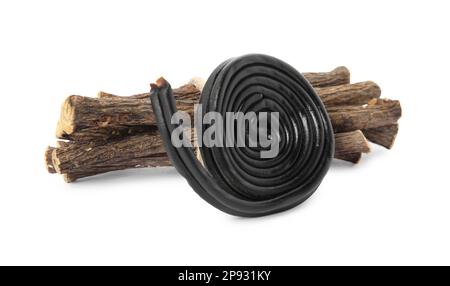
column 237, row 180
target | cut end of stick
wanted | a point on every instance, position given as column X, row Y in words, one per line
column 349, row 146
column 384, row 136
column 394, row 105
column 161, row 82
column 351, row 107
column 344, row 71
column 68, row 178
column 48, row 160
column 338, row 76
column 349, row 94
column 351, row 142
column 376, row 89
column 55, row 161
column 66, row 123
column 198, row 82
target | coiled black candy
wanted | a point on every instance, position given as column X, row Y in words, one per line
column 237, row 180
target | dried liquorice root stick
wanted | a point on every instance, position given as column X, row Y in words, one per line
column 349, row 146
column 190, row 91
column 349, row 94
column 86, row 118
column 384, row 135
column 338, row 76
column 145, row 150
column 377, row 113
column 48, row 160
column 345, row 94
column 367, row 93
column 81, row 160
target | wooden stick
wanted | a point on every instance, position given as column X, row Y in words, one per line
column 86, row 119
column 191, row 91
column 349, row 94
column 360, row 94
column 384, row 135
column 147, row 150
column 79, row 160
column 119, row 154
column 72, row 176
column 113, row 132
column 48, row 160
column 350, row 145
column 379, row 112
column 338, row 76
column 345, row 94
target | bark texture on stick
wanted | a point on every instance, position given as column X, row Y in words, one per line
column 384, row 135
column 147, row 150
column 338, row 76
column 48, row 160
column 185, row 92
column 379, row 112
column 110, row 116
column 85, row 118
column 350, row 145
column 81, row 160
column 112, row 132
column 349, row 94
column 149, row 162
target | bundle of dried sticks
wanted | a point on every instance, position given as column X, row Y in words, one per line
column 110, row 132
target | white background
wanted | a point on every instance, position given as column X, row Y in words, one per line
column 392, row 208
